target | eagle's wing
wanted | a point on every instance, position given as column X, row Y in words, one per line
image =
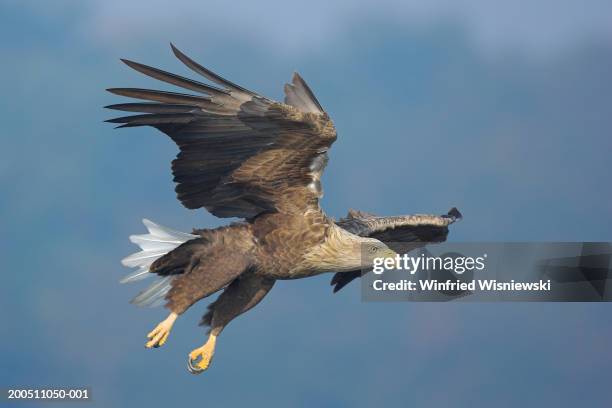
column 401, row 233
column 241, row 154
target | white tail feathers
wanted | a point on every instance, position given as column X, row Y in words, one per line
column 153, row 295
column 158, row 242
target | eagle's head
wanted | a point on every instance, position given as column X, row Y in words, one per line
column 371, row 249
column 344, row 251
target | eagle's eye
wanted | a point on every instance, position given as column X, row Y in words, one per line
column 374, row 249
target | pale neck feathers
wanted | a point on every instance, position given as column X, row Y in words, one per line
column 341, row 251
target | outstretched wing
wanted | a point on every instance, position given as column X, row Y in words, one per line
column 241, row 154
column 401, row 233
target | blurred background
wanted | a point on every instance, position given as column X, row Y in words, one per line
column 503, row 109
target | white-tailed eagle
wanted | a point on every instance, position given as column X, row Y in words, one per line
column 244, row 155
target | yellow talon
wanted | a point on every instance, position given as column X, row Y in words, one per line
column 159, row 335
column 204, row 354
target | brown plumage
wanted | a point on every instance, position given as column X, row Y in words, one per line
column 243, row 155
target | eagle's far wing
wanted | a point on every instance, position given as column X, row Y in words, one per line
column 241, row 154
column 401, row 233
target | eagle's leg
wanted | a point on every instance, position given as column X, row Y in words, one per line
column 158, row 336
column 241, row 295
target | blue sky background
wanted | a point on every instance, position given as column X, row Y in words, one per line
column 503, row 110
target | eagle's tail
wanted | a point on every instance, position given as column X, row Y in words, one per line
column 158, row 242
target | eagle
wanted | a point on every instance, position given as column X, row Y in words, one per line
column 246, row 156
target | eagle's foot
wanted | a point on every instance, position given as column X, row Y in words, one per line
column 200, row 358
column 158, row 336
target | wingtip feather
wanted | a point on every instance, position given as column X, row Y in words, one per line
column 296, row 78
column 454, row 212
